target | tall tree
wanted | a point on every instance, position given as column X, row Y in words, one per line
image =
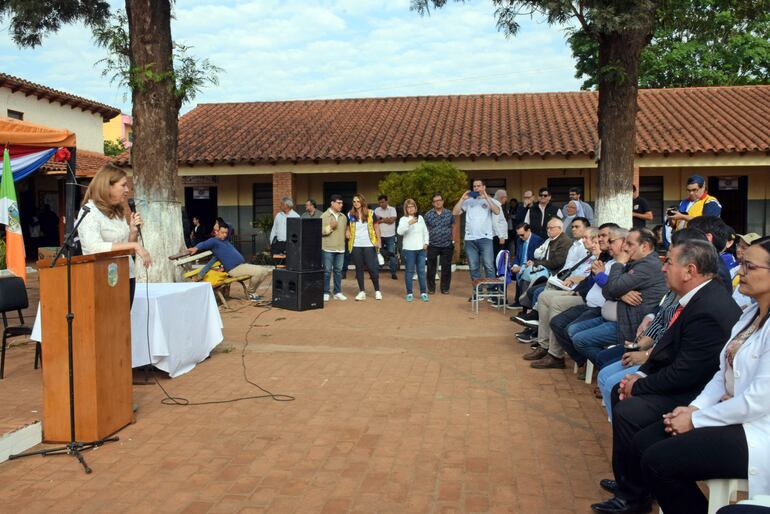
column 696, row 43
column 144, row 60
column 620, row 30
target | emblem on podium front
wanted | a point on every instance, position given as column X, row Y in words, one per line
column 112, row 274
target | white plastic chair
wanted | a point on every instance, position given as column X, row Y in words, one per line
column 722, row 491
column 589, row 371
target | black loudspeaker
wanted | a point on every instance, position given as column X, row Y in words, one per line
column 298, row 290
column 303, row 244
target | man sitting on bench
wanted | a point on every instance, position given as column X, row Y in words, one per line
column 233, row 262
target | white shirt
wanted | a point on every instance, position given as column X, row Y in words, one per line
column 478, row 219
column 97, row 233
column 362, row 235
column 683, row 301
column 386, row 229
column 595, row 298
column 279, row 225
column 414, row 236
column 500, row 223
column 577, row 252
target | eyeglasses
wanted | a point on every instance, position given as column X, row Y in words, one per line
column 747, row 266
column 555, row 226
column 544, row 194
column 575, row 226
column 613, row 240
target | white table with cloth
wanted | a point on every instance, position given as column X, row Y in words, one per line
column 184, row 325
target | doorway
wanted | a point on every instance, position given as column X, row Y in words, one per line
column 201, row 202
column 733, row 194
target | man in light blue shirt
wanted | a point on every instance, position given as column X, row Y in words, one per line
column 479, row 210
column 278, row 233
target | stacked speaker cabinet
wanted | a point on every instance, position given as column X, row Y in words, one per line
column 299, row 287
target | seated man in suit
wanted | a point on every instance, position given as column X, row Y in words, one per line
column 678, row 367
column 232, row 260
column 526, row 244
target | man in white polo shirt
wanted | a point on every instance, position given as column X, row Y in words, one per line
column 479, row 209
column 388, row 218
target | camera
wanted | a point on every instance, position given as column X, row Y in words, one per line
column 671, row 211
column 474, row 194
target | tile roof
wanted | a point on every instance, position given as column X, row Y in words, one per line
column 687, row 120
column 54, row 95
column 87, row 164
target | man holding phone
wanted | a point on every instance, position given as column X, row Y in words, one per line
column 479, row 209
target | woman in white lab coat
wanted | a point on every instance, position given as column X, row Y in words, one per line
column 725, row 431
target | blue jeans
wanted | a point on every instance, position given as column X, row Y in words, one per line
column 414, row 258
column 479, row 252
column 608, row 377
column 609, row 356
column 591, row 336
column 389, row 245
column 333, row 263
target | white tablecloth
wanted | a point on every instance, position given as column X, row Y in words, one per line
column 185, row 326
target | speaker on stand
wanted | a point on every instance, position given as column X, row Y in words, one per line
column 299, row 287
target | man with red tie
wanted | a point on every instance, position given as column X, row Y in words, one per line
column 681, row 363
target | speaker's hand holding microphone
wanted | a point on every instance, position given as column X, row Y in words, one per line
column 136, row 228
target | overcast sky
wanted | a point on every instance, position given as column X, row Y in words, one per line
column 311, row 49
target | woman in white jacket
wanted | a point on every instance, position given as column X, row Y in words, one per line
column 725, row 431
column 414, row 244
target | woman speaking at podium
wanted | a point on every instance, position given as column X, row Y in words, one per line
column 106, row 227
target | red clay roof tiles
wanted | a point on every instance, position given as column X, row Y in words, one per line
column 688, row 120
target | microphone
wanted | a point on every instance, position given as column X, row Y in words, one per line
column 132, row 206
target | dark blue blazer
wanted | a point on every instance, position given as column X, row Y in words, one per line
column 534, row 241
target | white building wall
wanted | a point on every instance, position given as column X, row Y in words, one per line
column 85, row 124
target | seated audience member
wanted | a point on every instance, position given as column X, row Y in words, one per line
column 589, row 324
column 725, row 431
column 684, row 359
column 549, row 259
column 554, row 301
column 526, row 244
column 743, row 243
column 718, row 233
column 579, row 252
column 590, row 291
column 232, row 261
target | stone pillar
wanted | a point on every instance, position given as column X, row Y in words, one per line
column 283, row 185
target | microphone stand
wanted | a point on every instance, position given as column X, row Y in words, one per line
column 74, row 447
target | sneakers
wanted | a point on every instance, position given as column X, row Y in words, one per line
column 340, row 296
column 409, row 297
column 529, row 319
column 360, row 297
column 377, row 295
column 326, row 297
column 424, row 297
column 254, row 297
column 527, row 336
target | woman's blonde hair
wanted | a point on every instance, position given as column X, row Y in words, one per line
column 99, row 191
column 407, row 202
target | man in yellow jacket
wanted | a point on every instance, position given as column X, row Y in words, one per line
column 697, row 203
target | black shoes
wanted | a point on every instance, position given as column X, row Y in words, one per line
column 529, row 319
column 617, row 505
column 608, row 485
column 444, row 292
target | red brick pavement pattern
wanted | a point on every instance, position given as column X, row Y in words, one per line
column 400, row 408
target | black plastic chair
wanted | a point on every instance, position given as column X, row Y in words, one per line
column 13, row 297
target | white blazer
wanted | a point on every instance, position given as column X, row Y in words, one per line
column 750, row 406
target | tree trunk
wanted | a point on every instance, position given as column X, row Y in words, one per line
column 157, row 188
column 618, row 80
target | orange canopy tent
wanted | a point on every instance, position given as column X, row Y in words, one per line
column 15, row 132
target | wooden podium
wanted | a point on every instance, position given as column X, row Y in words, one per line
column 101, row 342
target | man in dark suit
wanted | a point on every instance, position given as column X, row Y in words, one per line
column 526, row 244
column 685, row 358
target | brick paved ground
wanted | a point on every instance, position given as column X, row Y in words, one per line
column 400, row 408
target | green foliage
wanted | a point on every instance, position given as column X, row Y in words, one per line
column 264, row 224
column 2, row 254
column 696, row 43
column 421, row 182
column 189, row 77
column 32, row 20
column 114, row 148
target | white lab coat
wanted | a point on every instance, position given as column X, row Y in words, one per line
column 750, row 406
